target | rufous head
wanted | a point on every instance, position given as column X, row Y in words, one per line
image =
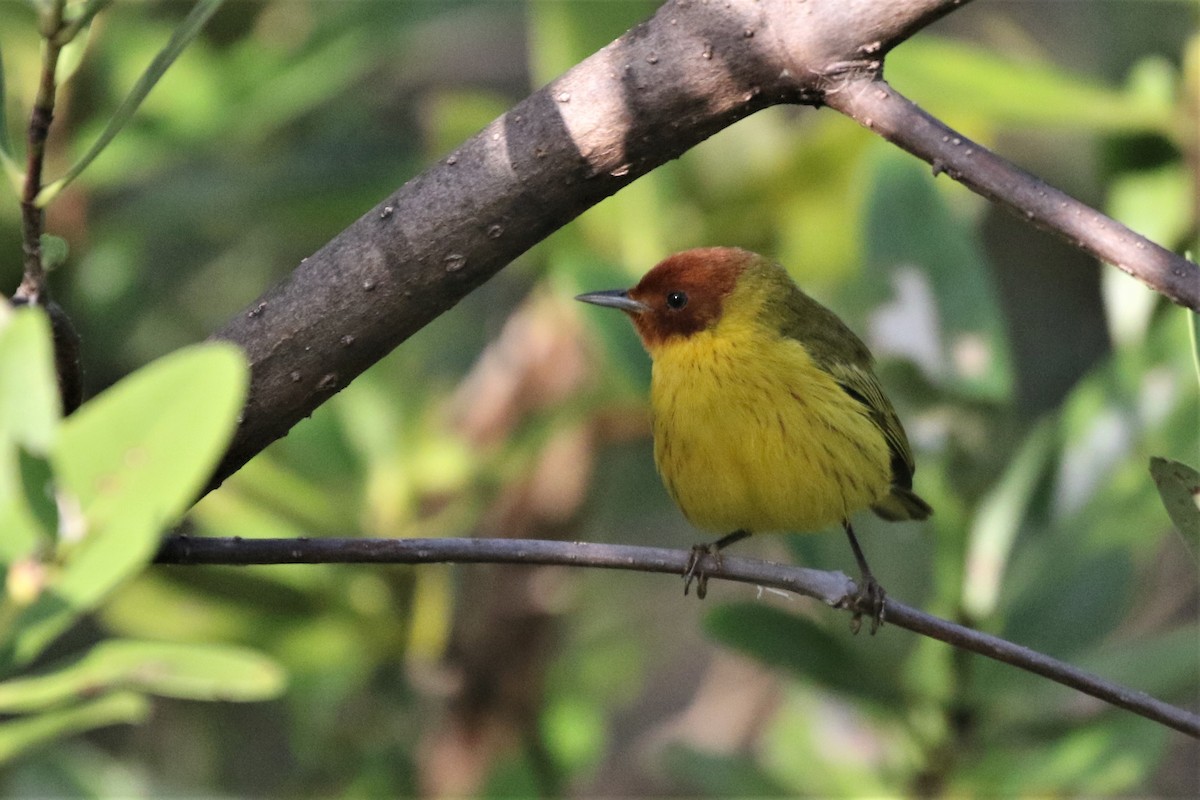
column 682, row 295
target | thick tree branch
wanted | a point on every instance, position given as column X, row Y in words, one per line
column 876, row 105
column 832, row 588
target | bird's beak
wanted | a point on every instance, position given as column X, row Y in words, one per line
column 615, row 298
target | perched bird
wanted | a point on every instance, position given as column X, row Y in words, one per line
column 767, row 415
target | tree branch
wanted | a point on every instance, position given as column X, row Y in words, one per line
column 661, row 88
column 874, row 104
column 33, row 284
column 832, row 588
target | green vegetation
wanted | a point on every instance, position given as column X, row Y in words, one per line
column 1036, row 388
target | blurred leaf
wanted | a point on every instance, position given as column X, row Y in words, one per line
column 1179, row 486
column 563, row 34
column 944, row 314
column 1106, row 758
column 815, row 198
column 132, row 460
column 140, row 452
column 574, row 730
column 184, row 34
column 54, row 251
column 998, row 519
column 1141, row 402
column 28, row 387
column 1065, row 597
column 455, row 115
column 7, row 157
column 192, row 672
column 71, row 55
column 953, row 79
column 303, row 84
column 29, row 411
column 1160, row 663
column 19, row 735
column 794, row 643
column 1156, row 204
column 713, row 775
column 822, row 746
column 266, row 498
column 432, row 615
column 37, row 480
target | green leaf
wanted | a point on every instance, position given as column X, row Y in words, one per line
column 129, row 463
column 1052, row 602
column 804, row 648
column 71, row 55
column 37, row 484
column 1156, row 203
column 1179, row 487
column 189, row 671
column 929, row 265
column 28, row 387
column 7, row 159
column 712, row 775
column 188, row 30
column 1111, row 757
column 20, row 735
column 998, row 520
column 143, row 449
column 952, row 79
column 1161, row 663
column 29, row 411
column 563, row 34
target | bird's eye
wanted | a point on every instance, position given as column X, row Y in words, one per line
column 677, row 300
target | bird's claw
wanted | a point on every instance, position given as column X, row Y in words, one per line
column 871, row 599
column 694, row 571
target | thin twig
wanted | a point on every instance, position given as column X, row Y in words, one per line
column 33, row 284
column 832, row 588
column 874, row 104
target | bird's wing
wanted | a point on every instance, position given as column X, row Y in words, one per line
column 835, row 349
column 861, row 384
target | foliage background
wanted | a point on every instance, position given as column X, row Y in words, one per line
column 1034, row 385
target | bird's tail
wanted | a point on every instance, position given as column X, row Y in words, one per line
column 901, row 504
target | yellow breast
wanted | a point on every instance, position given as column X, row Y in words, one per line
column 750, row 435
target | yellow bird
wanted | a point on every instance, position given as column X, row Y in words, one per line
column 767, row 414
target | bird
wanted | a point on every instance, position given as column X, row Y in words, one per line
column 767, row 414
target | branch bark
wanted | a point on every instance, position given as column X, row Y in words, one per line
column 664, row 86
column 33, row 285
column 874, row 104
column 832, row 588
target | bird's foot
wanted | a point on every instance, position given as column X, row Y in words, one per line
column 694, row 570
column 871, row 600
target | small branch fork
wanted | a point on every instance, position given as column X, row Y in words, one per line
column 832, row 588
